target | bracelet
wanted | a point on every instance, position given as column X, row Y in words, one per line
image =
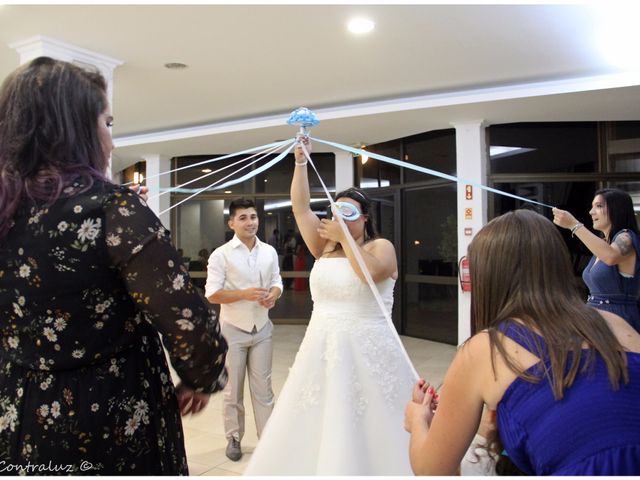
column 575, row 228
column 301, row 164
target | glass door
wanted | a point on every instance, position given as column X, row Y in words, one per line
column 430, row 250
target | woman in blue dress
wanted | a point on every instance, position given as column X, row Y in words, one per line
column 563, row 378
column 613, row 274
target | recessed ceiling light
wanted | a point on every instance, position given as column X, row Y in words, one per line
column 175, row 65
column 206, row 170
column 360, row 25
column 227, row 191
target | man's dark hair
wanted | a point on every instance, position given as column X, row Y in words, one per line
column 241, row 203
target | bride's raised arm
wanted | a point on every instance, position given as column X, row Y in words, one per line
column 307, row 221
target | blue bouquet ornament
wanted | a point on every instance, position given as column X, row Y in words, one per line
column 304, row 118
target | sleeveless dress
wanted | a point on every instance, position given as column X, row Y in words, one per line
column 593, row 430
column 610, row 291
column 341, row 410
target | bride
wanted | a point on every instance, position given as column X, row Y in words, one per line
column 341, row 410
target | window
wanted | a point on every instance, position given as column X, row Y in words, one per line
column 543, row 147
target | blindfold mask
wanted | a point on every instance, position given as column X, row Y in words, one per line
column 348, row 211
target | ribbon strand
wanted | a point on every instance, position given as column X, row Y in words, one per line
column 428, row 171
column 177, row 187
column 211, row 160
column 234, row 182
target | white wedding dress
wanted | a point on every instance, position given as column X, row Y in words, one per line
column 341, row 410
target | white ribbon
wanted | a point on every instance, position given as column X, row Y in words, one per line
column 238, row 180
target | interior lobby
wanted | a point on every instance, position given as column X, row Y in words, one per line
column 539, row 101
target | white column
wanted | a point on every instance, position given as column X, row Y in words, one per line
column 471, row 164
column 344, row 170
column 39, row 46
column 156, row 164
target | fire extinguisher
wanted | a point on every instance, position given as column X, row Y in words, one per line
column 464, row 274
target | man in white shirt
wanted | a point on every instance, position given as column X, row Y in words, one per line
column 244, row 278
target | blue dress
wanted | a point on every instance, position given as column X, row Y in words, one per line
column 592, row 430
column 610, row 291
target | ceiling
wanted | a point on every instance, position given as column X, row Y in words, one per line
column 423, row 67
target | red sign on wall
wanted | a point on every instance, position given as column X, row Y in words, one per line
column 468, row 192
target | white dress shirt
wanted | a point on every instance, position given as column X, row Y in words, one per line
column 234, row 267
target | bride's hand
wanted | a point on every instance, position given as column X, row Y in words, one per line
column 299, row 153
column 330, row 230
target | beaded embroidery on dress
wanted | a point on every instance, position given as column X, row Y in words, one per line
column 341, row 410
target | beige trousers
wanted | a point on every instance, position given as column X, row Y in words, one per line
column 250, row 352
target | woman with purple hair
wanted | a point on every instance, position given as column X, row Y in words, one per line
column 88, row 280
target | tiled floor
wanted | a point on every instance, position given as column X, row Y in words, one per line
column 205, row 441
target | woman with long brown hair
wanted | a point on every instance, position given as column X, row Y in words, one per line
column 563, row 377
column 88, row 281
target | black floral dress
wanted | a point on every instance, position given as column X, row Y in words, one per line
column 87, row 284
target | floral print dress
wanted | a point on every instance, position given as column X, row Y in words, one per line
column 87, row 284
